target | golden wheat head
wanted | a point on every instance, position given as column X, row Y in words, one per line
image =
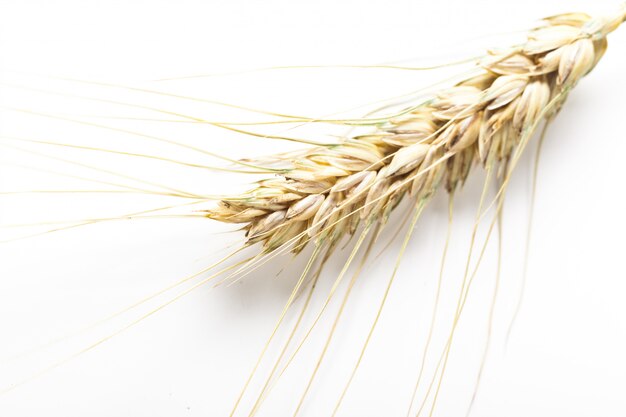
column 329, row 191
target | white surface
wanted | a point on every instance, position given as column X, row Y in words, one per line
column 565, row 354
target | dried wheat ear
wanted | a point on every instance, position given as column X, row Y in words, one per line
column 329, row 191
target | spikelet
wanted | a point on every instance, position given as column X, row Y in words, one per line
column 480, row 120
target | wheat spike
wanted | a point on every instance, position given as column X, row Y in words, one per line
column 326, row 193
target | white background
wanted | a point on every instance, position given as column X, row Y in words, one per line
column 565, row 352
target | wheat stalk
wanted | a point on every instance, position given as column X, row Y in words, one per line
column 326, row 193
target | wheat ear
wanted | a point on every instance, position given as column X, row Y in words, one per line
column 327, row 192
